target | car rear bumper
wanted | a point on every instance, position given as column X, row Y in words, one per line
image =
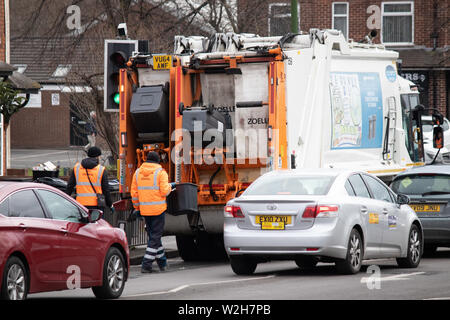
column 316, row 241
column 436, row 230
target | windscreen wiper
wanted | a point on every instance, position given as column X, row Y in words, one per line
column 434, row 192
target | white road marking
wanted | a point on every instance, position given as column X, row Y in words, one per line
column 442, row 298
column 397, row 277
column 177, row 289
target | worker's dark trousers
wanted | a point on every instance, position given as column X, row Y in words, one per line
column 155, row 250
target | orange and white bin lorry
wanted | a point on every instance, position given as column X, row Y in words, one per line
column 223, row 111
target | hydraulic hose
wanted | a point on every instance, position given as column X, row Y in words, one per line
column 211, row 191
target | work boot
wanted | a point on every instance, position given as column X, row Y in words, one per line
column 163, row 266
column 146, row 270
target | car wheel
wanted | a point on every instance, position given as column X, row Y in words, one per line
column 113, row 276
column 306, row 263
column 242, row 266
column 15, row 280
column 412, row 260
column 352, row 263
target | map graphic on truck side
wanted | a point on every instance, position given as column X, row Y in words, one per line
column 356, row 109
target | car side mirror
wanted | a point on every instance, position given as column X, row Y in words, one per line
column 438, row 137
column 402, row 199
column 95, row 215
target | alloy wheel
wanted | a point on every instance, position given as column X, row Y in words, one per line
column 115, row 273
column 414, row 245
column 355, row 251
column 15, row 282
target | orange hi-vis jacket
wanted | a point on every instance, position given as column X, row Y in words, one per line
column 149, row 189
column 85, row 194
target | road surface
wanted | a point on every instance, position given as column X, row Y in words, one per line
column 284, row 281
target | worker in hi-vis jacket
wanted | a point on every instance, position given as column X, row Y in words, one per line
column 149, row 189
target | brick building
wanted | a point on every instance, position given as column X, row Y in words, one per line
column 50, row 119
column 4, row 56
column 419, row 30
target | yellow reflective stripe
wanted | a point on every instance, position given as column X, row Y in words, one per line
column 99, row 176
column 155, row 176
column 148, row 188
column 86, row 194
column 152, row 203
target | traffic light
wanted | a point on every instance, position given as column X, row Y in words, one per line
column 117, row 53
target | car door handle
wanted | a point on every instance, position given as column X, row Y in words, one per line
column 64, row 230
column 22, row 226
column 364, row 210
column 385, row 211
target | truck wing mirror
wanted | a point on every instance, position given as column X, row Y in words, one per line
column 438, row 137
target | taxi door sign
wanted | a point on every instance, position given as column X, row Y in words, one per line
column 374, row 218
column 162, row 62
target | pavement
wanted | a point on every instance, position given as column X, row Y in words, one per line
column 65, row 158
column 169, row 244
column 197, row 283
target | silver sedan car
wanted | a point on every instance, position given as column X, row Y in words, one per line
column 320, row 215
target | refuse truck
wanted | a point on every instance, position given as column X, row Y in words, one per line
column 224, row 110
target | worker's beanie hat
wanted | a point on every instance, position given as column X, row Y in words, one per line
column 94, row 152
column 153, row 157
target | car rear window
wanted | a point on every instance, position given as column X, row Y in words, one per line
column 420, row 184
column 291, row 185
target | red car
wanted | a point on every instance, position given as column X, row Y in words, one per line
column 50, row 242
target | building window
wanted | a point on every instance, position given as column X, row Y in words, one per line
column 340, row 17
column 397, row 23
column 280, row 19
column 62, row 70
column 21, row 67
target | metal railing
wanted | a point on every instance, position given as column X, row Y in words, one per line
column 135, row 230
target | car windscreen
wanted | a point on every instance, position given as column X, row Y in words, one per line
column 290, row 185
column 422, row 184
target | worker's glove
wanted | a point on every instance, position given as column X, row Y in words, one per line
column 134, row 215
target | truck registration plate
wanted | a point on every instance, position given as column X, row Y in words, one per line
column 162, row 62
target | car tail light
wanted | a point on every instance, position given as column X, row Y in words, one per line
column 309, row 213
column 233, row 212
column 320, row 211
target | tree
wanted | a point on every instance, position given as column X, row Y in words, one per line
column 156, row 20
column 10, row 101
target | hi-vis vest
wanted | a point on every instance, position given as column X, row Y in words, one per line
column 85, row 194
column 147, row 196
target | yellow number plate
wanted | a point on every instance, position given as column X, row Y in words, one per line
column 426, row 207
column 273, row 222
column 162, row 62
